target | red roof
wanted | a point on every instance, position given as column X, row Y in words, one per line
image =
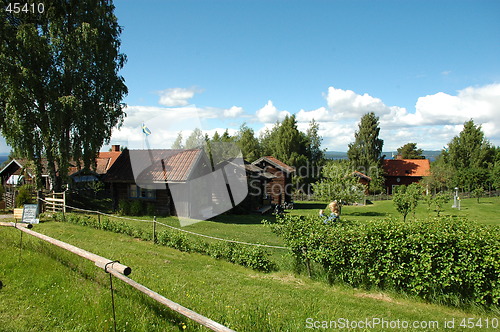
column 277, row 163
column 105, row 160
column 407, row 167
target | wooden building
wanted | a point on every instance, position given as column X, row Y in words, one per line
column 278, row 189
column 404, row 172
column 161, row 169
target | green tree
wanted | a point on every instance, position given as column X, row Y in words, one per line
column 470, row 149
column 406, row 198
column 438, row 201
column 410, row 151
column 178, row 142
column 495, row 170
column 285, row 142
column 248, row 143
column 478, row 193
column 365, row 153
column 195, row 140
column 61, row 94
column 338, row 183
column 315, row 153
column 441, row 175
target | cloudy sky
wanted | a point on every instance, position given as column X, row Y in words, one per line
column 424, row 67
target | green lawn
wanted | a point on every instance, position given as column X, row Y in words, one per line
column 53, row 290
column 484, row 212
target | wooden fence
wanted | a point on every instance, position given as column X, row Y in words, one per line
column 55, row 202
column 121, row 271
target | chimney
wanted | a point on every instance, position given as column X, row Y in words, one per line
column 115, row 148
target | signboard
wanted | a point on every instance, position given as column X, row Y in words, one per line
column 30, row 214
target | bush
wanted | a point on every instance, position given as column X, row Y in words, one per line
column 136, row 208
column 439, row 259
column 24, row 195
column 252, row 257
column 124, row 208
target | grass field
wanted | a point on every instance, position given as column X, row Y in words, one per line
column 52, row 290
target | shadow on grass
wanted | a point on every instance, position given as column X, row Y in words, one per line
column 309, row 206
column 367, row 214
column 243, row 219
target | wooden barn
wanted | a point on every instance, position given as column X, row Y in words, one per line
column 163, row 168
column 278, row 189
column 404, row 172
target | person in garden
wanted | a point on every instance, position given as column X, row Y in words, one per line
column 334, row 212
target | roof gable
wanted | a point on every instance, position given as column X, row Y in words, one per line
column 276, row 163
column 407, row 167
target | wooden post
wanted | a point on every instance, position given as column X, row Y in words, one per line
column 154, row 229
column 64, row 202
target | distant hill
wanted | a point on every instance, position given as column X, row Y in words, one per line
column 335, row 155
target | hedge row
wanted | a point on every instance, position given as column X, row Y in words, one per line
column 252, row 257
column 444, row 259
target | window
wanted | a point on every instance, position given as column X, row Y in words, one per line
column 141, row 193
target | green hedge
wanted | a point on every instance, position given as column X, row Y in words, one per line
column 440, row 259
column 252, row 257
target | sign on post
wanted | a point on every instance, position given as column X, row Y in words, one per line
column 30, row 214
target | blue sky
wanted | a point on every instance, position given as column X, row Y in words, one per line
column 424, row 67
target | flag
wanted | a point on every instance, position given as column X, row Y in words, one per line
column 146, row 130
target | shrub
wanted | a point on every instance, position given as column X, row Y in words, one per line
column 24, row 195
column 124, row 207
column 150, row 209
column 252, row 257
column 438, row 259
column 136, row 208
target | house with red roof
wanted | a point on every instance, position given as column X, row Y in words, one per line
column 21, row 171
column 404, row 172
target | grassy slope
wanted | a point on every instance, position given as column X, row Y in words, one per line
column 52, row 290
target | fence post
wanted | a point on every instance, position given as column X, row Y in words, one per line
column 154, row 229
column 64, row 202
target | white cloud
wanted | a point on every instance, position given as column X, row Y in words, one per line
column 233, row 112
column 176, row 96
column 348, row 104
column 269, row 113
column 320, row 114
column 437, row 118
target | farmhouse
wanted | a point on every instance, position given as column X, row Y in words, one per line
column 21, row 171
column 404, row 172
column 278, row 189
column 151, row 184
column 103, row 163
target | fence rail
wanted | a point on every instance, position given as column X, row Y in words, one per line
column 56, row 203
column 121, row 271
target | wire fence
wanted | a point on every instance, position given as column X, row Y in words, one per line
column 68, row 207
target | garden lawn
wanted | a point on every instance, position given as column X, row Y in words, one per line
column 484, row 212
column 50, row 289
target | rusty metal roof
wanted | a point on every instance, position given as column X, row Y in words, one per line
column 161, row 165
